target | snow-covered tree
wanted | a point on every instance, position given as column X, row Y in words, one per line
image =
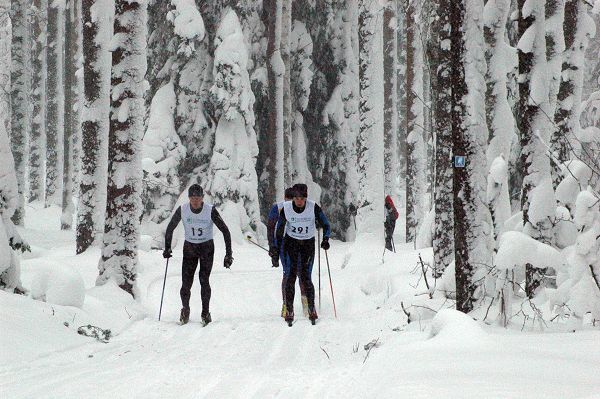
column 21, row 90
column 55, row 121
column 10, row 241
column 97, row 31
column 555, row 46
column 331, row 120
column 5, row 63
column 538, row 201
column 288, row 144
column 233, row 183
column 470, row 134
column 370, row 140
column 276, row 73
column 579, row 27
column 70, row 116
column 443, row 231
column 390, row 114
column 162, row 153
column 415, row 121
column 37, row 139
column 400, row 86
column 119, row 260
column 501, row 61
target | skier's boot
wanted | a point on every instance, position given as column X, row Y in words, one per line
column 184, row 317
column 283, row 311
column 304, row 305
column 312, row 315
column 206, row 318
column 289, row 318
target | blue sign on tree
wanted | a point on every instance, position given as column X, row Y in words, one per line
column 459, row 161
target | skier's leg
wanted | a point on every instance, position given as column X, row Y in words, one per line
column 306, row 265
column 291, row 259
column 206, row 263
column 286, row 270
column 188, row 269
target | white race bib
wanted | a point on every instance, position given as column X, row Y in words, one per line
column 198, row 226
column 300, row 226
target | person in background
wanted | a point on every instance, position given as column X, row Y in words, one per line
column 391, row 214
column 198, row 218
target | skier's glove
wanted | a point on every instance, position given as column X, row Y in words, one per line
column 275, row 261
column 227, row 262
column 167, row 253
column 325, row 243
column 273, row 252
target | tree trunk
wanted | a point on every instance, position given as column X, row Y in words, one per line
column 94, row 124
column 119, row 260
column 443, row 235
column 37, row 141
column 390, row 113
column 20, row 99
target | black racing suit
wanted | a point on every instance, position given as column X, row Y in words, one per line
column 298, row 257
column 194, row 253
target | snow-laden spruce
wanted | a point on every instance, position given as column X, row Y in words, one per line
column 233, row 183
column 162, row 153
column 10, row 241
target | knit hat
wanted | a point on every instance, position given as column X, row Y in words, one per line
column 289, row 193
column 195, row 191
column 300, row 190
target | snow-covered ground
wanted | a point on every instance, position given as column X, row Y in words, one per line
column 249, row 352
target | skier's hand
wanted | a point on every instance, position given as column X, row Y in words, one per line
column 167, row 253
column 325, row 243
column 228, row 261
column 273, row 252
column 275, row 261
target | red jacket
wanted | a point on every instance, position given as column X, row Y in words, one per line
column 390, row 205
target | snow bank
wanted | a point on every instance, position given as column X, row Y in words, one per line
column 457, row 327
column 59, row 285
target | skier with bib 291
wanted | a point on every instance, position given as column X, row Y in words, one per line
column 198, row 218
column 296, row 231
column 276, row 254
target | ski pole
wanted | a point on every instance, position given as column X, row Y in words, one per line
column 331, row 285
column 383, row 255
column 258, row 245
column 319, row 245
column 163, row 290
column 393, row 245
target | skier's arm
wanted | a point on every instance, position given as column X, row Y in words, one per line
column 280, row 228
column 322, row 221
column 171, row 227
column 271, row 224
column 218, row 221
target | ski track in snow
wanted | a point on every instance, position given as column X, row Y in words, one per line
column 249, row 352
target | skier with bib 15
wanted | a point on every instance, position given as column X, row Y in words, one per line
column 198, row 218
column 296, row 230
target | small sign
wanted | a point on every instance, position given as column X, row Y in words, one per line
column 459, row 161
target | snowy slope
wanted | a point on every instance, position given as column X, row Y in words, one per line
column 249, row 352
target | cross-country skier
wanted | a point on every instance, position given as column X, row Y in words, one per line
column 198, row 218
column 275, row 254
column 296, row 232
column 391, row 214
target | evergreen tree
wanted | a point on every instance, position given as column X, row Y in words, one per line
column 390, row 115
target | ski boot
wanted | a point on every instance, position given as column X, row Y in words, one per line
column 312, row 315
column 184, row 317
column 206, row 318
column 289, row 318
column 304, row 305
